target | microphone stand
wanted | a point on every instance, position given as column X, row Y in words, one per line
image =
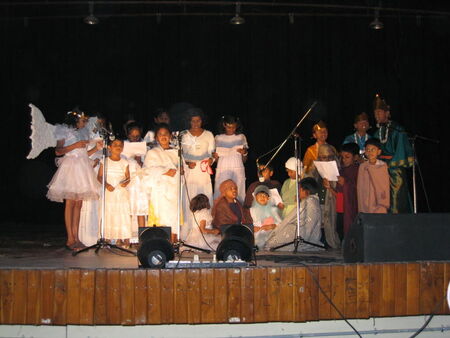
column 297, row 239
column 180, row 242
column 101, row 242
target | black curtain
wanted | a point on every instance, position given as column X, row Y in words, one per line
column 268, row 72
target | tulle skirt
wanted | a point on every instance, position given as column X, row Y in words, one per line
column 75, row 178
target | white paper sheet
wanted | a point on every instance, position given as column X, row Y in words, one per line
column 222, row 151
column 132, row 149
column 327, row 169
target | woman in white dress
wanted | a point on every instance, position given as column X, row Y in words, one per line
column 198, row 145
column 161, row 181
column 75, row 180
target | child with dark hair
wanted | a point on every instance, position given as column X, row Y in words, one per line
column 265, row 173
column 160, row 115
column 202, row 234
column 373, row 181
column 310, row 220
column 231, row 154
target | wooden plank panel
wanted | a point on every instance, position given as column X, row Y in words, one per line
column 73, row 296
column 312, row 293
column 445, row 305
column 154, row 296
column 234, row 295
column 351, row 295
column 337, row 291
column 220, row 296
column 180, row 296
column 247, row 293
column 60, row 306
column 260, row 295
column 126, row 297
column 33, row 296
column 299, row 294
column 400, row 289
column 47, row 296
column 6, row 294
column 362, row 290
column 388, row 303
column 19, row 311
column 273, row 294
column 113, row 297
column 167, row 296
column 193, row 296
column 207, row 295
column 140, row 297
column 431, row 287
column 375, row 289
column 325, row 285
column 100, row 297
column 287, row 294
column 412, row 289
column 87, row 295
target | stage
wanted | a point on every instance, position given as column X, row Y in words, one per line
column 43, row 284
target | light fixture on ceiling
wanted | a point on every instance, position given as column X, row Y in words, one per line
column 376, row 24
column 237, row 19
column 91, row 19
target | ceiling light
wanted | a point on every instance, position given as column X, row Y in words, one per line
column 376, row 24
column 91, row 19
column 237, row 19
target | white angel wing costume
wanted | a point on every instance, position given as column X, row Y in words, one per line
column 42, row 133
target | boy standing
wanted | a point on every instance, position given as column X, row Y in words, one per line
column 373, row 181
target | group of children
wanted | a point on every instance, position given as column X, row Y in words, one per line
column 144, row 189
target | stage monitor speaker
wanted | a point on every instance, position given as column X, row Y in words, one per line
column 155, row 249
column 237, row 243
column 397, row 238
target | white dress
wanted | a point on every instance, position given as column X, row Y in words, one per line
column 230, row 165
column 162, row 189
column 195, row 237
column 263, row 215
column 198, row 180
column 75, row 178
column 117, row 203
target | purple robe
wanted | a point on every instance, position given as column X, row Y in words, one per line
column 350, row 174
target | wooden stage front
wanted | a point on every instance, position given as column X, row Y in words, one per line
column 54, row 288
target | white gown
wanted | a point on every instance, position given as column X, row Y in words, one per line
column 162, row 189
column 195, row 238
column 117, row 203
column 75, row 178
column 230, row 166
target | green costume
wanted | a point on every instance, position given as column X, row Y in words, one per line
column 398, row 155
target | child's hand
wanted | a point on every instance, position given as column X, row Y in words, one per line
column 81, row 144
column 268, row 227
column 326, row 184
column 213, row 231
column 138, row 160
column 241, row 151
column 171, row 172
column 215, row 155
column 109, row 187
column 256, row 229
column 341, row 180
column 96, row 161
column 191, row 165
column 280, row 206
column 99, row 145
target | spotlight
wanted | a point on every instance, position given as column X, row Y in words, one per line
column 155, row 249
column 376, row 24
column 237, row 19
column 237, row 243
column 91, row 19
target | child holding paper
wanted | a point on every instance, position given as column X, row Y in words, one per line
column 231, row 154
column 265, row 173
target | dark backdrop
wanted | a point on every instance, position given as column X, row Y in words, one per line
column 267, row 72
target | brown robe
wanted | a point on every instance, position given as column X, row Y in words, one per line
column 373, row 188
column 223, row 215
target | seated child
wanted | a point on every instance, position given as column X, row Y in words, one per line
column 310, row 221
column 265, row 179
column 373, row 181
column 288, row 191
column 227, row 209
column 265, row 215
column 202, row 234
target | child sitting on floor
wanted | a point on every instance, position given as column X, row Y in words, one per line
column 265, row 215
column 265, row 174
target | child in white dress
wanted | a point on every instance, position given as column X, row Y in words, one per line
column 117, row 225
column 231, row 153
column 202, row 234
column 74, row 181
